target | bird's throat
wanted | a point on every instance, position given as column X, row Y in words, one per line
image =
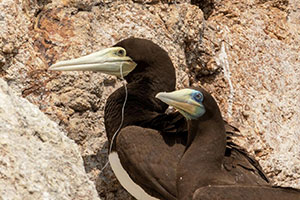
column 203, row 156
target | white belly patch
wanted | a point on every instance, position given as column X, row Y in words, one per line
column 134, row 189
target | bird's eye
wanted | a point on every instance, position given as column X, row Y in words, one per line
column 198, row 96
column 121, row 52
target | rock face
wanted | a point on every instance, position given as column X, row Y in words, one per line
column 37, row 160
column 246, row 53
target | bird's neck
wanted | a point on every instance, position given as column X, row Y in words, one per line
column 145, row 82
column 159, row 75
column 141, row 105
column 208, row 138
column 201, row 163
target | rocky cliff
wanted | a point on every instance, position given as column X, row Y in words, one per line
column 37, row 161
column 246, row 53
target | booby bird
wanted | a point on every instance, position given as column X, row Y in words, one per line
column 143, row 159
column 201, row 172
column 148, row 147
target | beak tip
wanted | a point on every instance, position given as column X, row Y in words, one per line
column 158, row 95
column 53, row 68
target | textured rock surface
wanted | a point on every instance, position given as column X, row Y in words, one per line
column 258, row 50
column 246, row 53
column 37, row 161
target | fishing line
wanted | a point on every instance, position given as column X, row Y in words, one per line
column 122, row 116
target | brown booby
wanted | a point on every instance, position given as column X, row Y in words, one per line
column 147, row 149
column 201, row 172
column 143, row 159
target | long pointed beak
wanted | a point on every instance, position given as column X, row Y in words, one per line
column 180, row 99
column 111, row 61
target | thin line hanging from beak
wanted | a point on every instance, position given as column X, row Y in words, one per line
column 122, row 114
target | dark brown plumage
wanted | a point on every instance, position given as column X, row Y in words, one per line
column 154, row 73
column 151, row 149
column 202, row 173
column 150, row 142
column 143, row 149
column 243, row 192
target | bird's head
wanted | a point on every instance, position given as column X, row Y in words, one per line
column 199, row 108
column 189, row 102
column 130, row 55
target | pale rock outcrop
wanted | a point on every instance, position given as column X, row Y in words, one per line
column 37, row 161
